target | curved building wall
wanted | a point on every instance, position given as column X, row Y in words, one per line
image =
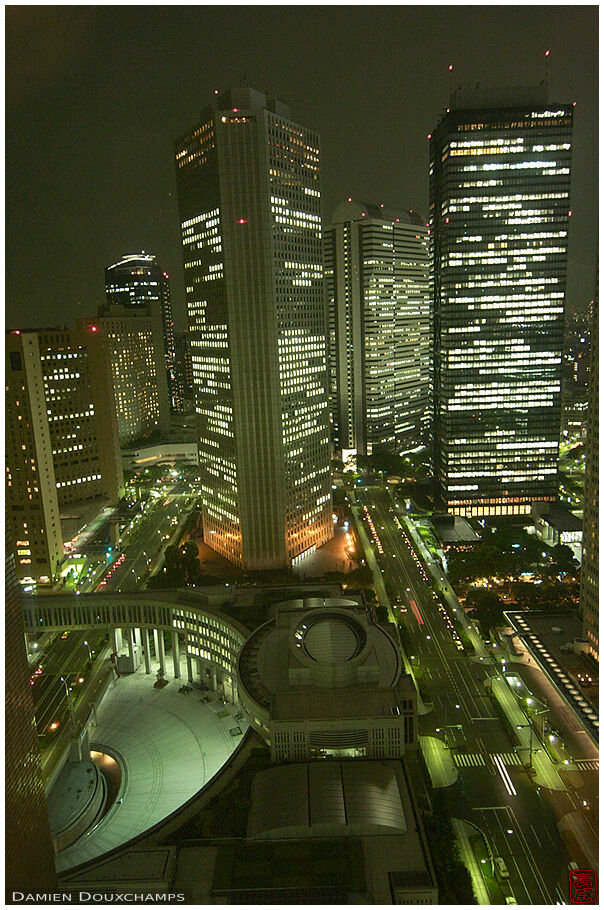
column 209, row 634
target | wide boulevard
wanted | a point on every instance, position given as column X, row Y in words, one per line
column 493, row 789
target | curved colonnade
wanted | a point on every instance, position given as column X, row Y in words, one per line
column 211, row 641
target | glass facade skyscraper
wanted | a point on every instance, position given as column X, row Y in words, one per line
column 138, row 280
column 376, row 278
column 250, row 209
column 500, row 167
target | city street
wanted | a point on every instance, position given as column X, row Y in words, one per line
column 66, row 663
column 130, row 567
column 493, row 789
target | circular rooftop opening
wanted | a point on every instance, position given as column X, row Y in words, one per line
column 332, row 638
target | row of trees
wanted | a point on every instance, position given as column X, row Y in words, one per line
column 508, row 552
column 415, row 466
column 181, row 567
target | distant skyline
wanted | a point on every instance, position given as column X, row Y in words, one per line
column 96, row 97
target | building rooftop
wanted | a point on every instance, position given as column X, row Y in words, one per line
column 457, row 531
column 562, row 520
column 317, row 650
column 324, row 798
column 355, row 210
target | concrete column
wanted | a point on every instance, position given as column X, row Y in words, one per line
column 146, row 649
column 189, row 668
column 176, row 655
column 162, row 656
column 155, row 644
column 129, row 639
column 114, row 639
column 137, row 637
column 213, row 677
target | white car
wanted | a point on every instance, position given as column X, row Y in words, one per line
column 500, row 868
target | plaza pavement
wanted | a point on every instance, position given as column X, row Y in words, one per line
column 169, row 745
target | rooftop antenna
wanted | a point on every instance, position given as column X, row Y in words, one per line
column 450, row 81
column 547, row 71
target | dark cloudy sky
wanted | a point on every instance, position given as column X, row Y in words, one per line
column 95, row 97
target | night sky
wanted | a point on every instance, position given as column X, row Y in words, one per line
column 95, row 97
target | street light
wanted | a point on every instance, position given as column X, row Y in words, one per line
column 70, row 703
column 89, row 651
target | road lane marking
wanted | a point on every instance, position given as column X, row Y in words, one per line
column 507, row 780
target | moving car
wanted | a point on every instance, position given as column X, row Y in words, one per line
column 500, row 868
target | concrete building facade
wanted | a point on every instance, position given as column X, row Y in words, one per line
column 29, row 853
column 61, row 438
column 137, row 280
column 591, row 536
column 319, row 680
column 136, row 352
column 249, row 199
column 376, row 280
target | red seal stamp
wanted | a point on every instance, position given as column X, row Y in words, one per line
column 583, row 886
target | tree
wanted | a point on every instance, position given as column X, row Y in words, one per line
column 488, row 606
column 563, row 559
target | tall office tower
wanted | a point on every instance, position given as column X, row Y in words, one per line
column 137, row 363
column 137, row 280
column 499, row 210
column 589, row 562
column 29, row 852
column 61, row 438
column 32, row 506
column 249, row 198
column 183, row 369
column 376, row 271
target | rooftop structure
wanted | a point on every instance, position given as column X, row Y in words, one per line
column 319, row 679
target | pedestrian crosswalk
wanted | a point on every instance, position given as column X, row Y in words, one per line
column 468, row 761
column 588, row 764
column 475, row 760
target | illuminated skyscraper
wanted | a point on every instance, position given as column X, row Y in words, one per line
column 140, row 383
column 250, row 209
column 138, row 280
column 376, row 271
column 499, row 210
column 590, row 560
column 61, row 438
column 183, row 369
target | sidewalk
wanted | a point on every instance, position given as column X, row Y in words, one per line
column 438, row 760
column 545, row 773
column 463, row 833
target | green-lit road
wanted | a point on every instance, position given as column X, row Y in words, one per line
column 493, row 789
